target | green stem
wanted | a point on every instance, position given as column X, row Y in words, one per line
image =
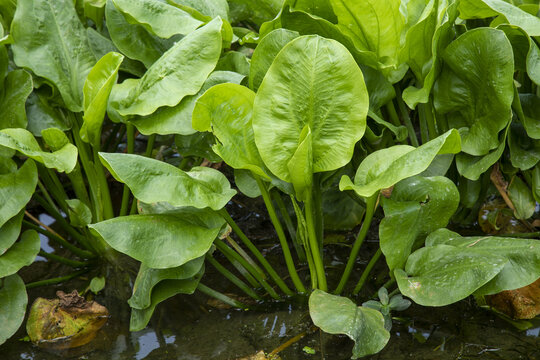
column 241, row 270
column 289, row 224
column 227, row 250
column 150, row 145
column 232, row 278
column 245, row 255
column 60, row 240
column 103, row 186
column 406, row 118
column 130, row 149
column 255, row 252
column 47, row 196
column 367, row 271
column 424, row 134
column 112, row 136
column 63, row 260
column 281, row 236
column 370, row 209
column 314, row 245
column 79, row 186
column 430, row 117
column 392, row 113
column 63, row 223
column 223, row 298
column 56, row 280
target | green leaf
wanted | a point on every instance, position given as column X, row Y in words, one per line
column 265, row 53
column 133, row 40
column 301, row 165
column 97, row 88
column 13, row 301
column 226, row 111
column 441, row 275
column 475, row 88
column 526, row 52
column 148, row 278
column 50, row 40
column 524, row 151
column 471, row 167
column 23, row 141
column 16, row 190
column 156, row 181
column 9, row 232
column 157, row 17
column 198, row 144
column 384, row 168
column 255, row 11
column 340, row 211
column 315, row 82
column 339, row 315
column 522, row 198
column 177, row 119
column 530, row 104
column 377, row 27
column 479, row 9
column 246, row 183
column 97, row 284
column 41, row 115
column 162, row 241
column 211, row 8
column 522, row 268
column 79, row 213
column 420, row 205
column 164, row 290
column 21, row 254
column 442, row 34
column 17, row 87
column 234, row 61
column 183, row 68
column 102, row 45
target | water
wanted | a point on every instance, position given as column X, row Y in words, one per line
column 188, row 328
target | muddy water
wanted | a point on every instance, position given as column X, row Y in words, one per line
column 188, row 328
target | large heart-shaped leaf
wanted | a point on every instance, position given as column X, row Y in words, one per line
column 21, row 254
column 16, row 190
column 524, row 151
column 13, row 301
column 442, row 274
column 226, row 111
column 96, row 91
column 162, row 241
column 42, row 115
column 522, row 268
column 475, row 88
column 148, row 278
column 64, row 159
column 177, row 119
column 181, row 71
column 156, row 181
column 313, row 82
column 386, row 167
column 339, row 315
column 420, row 205
column 530, row 104
column 158, row 17
column 164, row 290
column 50, row 40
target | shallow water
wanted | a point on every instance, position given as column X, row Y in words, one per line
column 188, row 328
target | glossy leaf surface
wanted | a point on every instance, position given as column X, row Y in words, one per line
column 23, row 141
column 339, row 315
column 16, row 190
column 158, row 181
column 13, row 301
column 21, row 254
column 181, row 71
column 384, row 168
column 313, row 82
column 50, row 40
column 162, row 241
